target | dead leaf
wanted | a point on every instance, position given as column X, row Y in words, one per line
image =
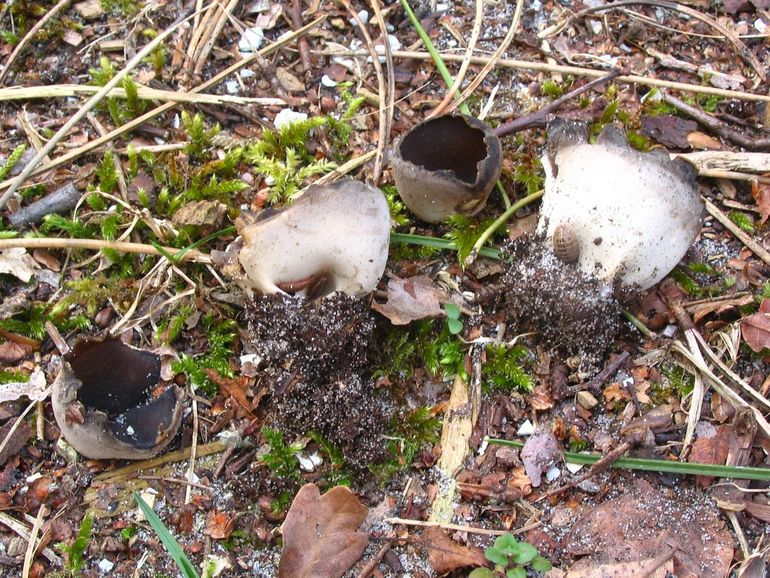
column 290, row 82
column 446, row 555
column 540, row 452
column 233, row 388
column 719, row 307
column 201, row 213
column 649, row 568
column 642, row 523
column 411, row 299
column 19, row 263
column 710, row 450
column 320, row 533
column 761, row 194
column 756, row 328
column 12, row 352
column 668, row 130
column 219, row 525
column 46, row 259
column 14, row 440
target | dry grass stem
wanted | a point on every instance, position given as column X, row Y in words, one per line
column 574, row 70
column 390, row 92
column 96, row 143
column 382, row 88
column 32, row 542
column 744, row 237
column 88, row 106
column 143, row 93
column 478, row 18
column 740, row 47
column 49, row 15
column 22, row 530
column 460, row 528
column 492, row 62
column 99, row 244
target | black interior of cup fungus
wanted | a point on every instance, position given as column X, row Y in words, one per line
column 446, row 143
column 115, row 376
column 139, row 426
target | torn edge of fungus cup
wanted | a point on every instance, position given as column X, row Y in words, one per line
column 447, row 165
column 333, row 238
column 613, row 221
column 103, row 404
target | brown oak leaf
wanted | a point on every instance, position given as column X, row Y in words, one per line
column 761, row 194
column 411, row 299
column 320, row 534
column 756, row 328
column 446, row 555
column 218, row 525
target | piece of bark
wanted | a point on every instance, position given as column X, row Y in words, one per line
column 60, row 201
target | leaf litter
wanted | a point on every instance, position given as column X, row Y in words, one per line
column 312, row 365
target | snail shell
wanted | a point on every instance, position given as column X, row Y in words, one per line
column 566, row 245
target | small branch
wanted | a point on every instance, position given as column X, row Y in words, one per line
column 374, row 562
column 755, row 247
column 538, row 119
column 715, row 125
column 30, row 35
column 596, row 383
column 459, row 528
column 60, row 201
column 295, row 12
column 98, row 244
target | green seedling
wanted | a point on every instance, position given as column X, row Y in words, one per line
column 75, row 553
column 453, row 322
column 512, row 559
column 282, row 457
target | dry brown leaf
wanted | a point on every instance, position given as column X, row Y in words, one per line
column 446, row 555
column 719, row 307
column 19, row 263
column 11, row 352
column 540, row 452
column 711, row 450
column 648, row 568
column 756, row 328
column 761, row 194
column 643, row 523
column 320, row 533
column 219, row 525
column 411, row 299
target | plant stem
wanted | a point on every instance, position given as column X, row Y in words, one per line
column 687, row 468
column 477, row 248
column 408, row 239
column 440, row 66
column 643, row 329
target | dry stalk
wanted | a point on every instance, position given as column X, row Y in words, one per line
column 490, row 65
column 280, row 43
column 29, row 555
column 99, row 244
column 88, row 106
column 574, row 70
column 740, row 47
column 13, row 93
column 21, row 529
column 475, row 32
column 205, row 47
column 390, row 93
column 460, row 528
column 30, row 35
column 743, row 237
column 382, row 88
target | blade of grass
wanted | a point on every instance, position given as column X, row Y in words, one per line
column 440, row 66
column 169, row 542
column 686, row 468
column 445, row 244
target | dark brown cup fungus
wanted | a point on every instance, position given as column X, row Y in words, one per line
column 102, row 401
column 447, row 165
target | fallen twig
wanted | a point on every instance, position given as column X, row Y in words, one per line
column 30, row 35
column 99, row 244
column 595, row 384
column 459, row 528
column 715, row 125
column 755, row 247
column 60, row 201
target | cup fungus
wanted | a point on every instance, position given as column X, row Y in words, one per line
column 621, row 215
column 102, row 401
column 335, row 236
column 447, row 165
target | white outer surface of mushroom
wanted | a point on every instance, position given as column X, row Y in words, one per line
column 634, row 214
column 341, row 230
column 93, row 438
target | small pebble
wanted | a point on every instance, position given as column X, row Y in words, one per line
column 526, row 429
column 105, row 565
column 586, row 400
